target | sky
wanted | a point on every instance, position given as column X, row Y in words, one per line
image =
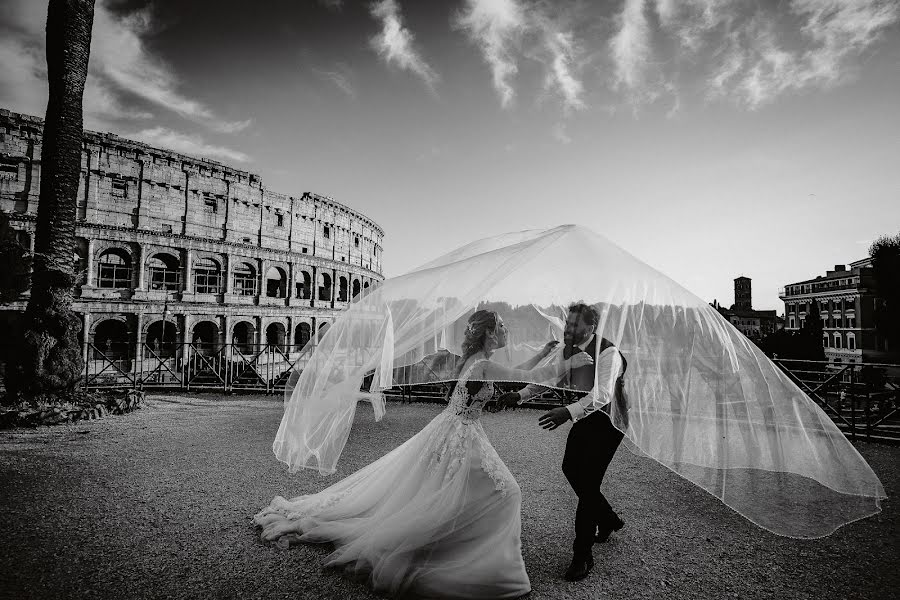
column 709, row 138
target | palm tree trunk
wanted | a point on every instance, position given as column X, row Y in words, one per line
column 51, row 356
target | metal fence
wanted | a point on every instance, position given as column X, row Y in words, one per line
column 226, row 367
column 863, row 399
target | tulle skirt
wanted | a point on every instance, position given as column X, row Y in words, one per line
column 437, row 517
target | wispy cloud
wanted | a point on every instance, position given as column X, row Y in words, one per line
column 631, row 47
column 770, row 50
column 395, row 42
column 121, row 67
column 124, row 61
column 186, row 144
column 563, row 51
column 341, row 76
column 496, row 26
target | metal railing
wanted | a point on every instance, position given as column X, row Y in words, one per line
column 863, row 399
column 224, row 367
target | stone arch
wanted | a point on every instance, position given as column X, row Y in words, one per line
column 276, row 282
column 302, row 335
column 244, row 278
column 243, row 335
column 304, row 285
column 111, row 337
column 207, row 275
column 114, row 268
column 205, row 336
column 343, row 290
column 356, row 288
column 276, row 334
column 163, row 271
column 324, row 287
column 161, row 338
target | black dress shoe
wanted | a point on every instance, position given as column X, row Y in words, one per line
column 604, row 531
column 580, row 567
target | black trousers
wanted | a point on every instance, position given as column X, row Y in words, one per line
column 591, row 445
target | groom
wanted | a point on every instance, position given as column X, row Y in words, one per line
column 593, row 439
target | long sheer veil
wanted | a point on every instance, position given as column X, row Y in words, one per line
column 702, row 399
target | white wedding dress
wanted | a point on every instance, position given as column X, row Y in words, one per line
column 437, row 517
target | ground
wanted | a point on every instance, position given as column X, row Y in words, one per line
column 157, row 504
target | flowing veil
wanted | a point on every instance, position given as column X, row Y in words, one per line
column 702, row 399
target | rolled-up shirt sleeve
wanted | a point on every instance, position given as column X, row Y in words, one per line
column 609, row 367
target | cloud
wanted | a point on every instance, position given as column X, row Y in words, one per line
column 185, row 144
column 341, row 76
column 563, row 51
column 690, row 21
column 630, row 47
column 120, row 68
column 840, row 29
column 496, row 27
column 395, row 42
column 123, row 60
column 503, row 29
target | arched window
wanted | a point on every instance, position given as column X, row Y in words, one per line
column 302, row 335
column 244, row 279
column 164, row 273
column 342, row 289
column 324, row 286
column 112, row 340
column 207, row 276
column 275, row 335
column 356, row 288
column 851, row 341
column 304, row 285
column 243, row 336
column 837, row 340
column 114, row 270
column 276, row 283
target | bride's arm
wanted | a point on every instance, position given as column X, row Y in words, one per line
column 492, row 371
column 534, row 360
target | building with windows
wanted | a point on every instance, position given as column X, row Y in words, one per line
column 847, row 298
column 177, row 250
column 755, row 324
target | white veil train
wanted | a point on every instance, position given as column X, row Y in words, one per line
column 702, row 399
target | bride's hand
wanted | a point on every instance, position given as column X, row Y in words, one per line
column 582, row 359
column 549, row 347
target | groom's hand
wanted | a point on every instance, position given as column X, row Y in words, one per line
column 553, row 418
column 508, row 400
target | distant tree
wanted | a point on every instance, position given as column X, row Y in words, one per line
column 15, row 263
column 794, row 345
column 885, row 254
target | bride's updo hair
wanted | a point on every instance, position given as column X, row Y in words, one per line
column 480, row 324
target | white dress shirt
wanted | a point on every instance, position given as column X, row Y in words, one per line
column 607, row 367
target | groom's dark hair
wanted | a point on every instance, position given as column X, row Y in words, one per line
column 589, row 314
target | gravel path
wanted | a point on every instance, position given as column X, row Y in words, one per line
column 157, row 504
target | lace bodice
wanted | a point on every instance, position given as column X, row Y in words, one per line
column 466, row 406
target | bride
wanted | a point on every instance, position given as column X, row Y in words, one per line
column 439, row 516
